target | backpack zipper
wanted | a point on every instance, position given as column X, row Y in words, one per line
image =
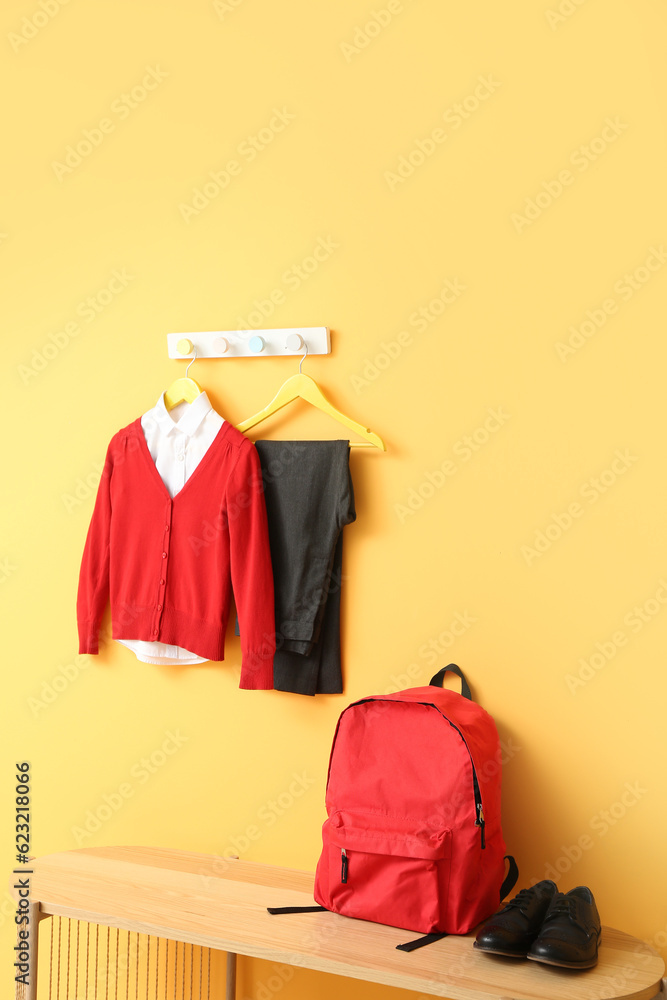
column 343, row 865
column 479, row 808
column 480, row 822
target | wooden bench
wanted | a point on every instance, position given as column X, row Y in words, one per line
column 208, row 902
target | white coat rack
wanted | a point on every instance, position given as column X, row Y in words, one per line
column 250, row 343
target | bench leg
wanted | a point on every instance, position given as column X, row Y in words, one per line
column 230, row 993
column 26, row 988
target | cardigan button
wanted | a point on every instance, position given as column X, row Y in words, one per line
column 162, row 583
column 159, row 607
column 164, row 555
column 154, row 631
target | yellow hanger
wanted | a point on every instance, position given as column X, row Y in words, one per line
column 183, row 390
column 304, row 387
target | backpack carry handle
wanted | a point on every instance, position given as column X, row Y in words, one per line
column 437, row 679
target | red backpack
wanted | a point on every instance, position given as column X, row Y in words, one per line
column 413, row 837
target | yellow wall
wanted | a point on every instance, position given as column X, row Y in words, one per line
column 423, row 208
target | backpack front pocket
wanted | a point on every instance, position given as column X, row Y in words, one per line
column 396, row 875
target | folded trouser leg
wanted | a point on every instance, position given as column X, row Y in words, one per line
column 318, row 672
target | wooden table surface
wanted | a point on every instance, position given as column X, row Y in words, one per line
column 218, row 903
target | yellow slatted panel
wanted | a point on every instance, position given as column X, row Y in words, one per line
column 80, row 960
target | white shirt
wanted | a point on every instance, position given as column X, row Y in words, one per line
column 177, row 440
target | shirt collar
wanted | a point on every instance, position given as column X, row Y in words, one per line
column 190, row 421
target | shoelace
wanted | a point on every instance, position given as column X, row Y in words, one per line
column 521, row 901
column 564, row 906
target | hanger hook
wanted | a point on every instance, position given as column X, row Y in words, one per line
column 191, row 363
column 303, row 358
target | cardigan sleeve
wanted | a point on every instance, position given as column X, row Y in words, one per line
column 93, row 591
column 251, row 569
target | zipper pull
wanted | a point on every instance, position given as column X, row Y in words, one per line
column 343, row 865
column 480, row 823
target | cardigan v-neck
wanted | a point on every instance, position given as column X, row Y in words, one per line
column 143, row 447
column 167, row 564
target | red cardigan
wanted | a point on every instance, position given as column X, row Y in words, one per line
column 167, row 565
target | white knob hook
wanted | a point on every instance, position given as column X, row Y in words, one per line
column 294, row 343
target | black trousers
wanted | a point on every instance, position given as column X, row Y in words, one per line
column 309, row 498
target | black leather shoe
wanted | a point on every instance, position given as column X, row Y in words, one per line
column 570, row 933
column 512, row 930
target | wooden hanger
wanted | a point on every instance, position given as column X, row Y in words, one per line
column 182, row 390
column 304, row 387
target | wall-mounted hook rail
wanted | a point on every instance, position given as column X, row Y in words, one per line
column 250, row 343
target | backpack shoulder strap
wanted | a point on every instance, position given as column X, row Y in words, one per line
column 510, row 879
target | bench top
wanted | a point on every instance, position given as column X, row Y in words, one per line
column 221, row 903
